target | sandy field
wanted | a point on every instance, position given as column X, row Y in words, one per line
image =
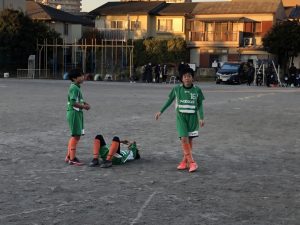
column 248, row 156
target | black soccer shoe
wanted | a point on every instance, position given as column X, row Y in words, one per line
column 94, row 163
column 106, row 164
column 137, row 155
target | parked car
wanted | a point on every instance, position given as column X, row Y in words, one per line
column 231, row 72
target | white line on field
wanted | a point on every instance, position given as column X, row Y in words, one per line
column 239, row 99
column 140, row 213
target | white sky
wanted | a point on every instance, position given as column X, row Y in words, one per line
column 89, row 5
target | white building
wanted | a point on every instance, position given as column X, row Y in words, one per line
column 71, row 6
column 13, row 4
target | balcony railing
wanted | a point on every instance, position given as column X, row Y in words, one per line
column 213, row 36
column 115, row 34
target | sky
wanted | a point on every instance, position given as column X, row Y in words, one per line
column 89, row 5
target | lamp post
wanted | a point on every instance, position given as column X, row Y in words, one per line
column 128, row 26
column 239, row 51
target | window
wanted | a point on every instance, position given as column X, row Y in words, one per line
column 253, row 27
column 135, row 25
column 165, row 25
column 116, row 24
column 257, row 27
column 66, row 29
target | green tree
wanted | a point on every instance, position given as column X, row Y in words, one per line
column 283, row 40
column 177, row 50
column 157, row 50
column 19, row 36
column 139, row 53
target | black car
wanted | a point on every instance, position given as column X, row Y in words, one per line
column 231, row 72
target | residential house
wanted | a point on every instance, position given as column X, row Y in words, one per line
column 171, row 20
column 231, row 31
column 13, row 4
column 69, row 26
column 127, row 20
column 223, row 31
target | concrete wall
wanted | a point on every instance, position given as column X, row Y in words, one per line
column 74, row 31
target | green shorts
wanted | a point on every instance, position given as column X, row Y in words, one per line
column 187, row 124
column 75, row 121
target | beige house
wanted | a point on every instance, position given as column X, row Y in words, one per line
column 223, row 30
column 140, row 19
column 127, row 20
column 171, row 20
column 231, row 31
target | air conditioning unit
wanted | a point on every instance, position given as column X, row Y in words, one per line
column 248, row 41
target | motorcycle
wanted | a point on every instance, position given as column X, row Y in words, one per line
column 259, row 78
column 286, row 81
column 297, row 80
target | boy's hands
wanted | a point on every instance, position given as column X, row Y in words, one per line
column 86, row 106
column 201, row 122
column 157, row 115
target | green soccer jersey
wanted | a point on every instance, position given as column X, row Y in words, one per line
column 74, row 114
column 122, row 157
column 188, row 100
column 74, row 96
column 189, row 109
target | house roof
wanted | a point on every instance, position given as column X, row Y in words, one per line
column 295, row 13
column 225, row 19
column 237, row 7
column 131, row 8
column 175, row 9
column 39, row 11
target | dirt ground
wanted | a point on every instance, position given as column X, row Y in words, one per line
column 248, row 156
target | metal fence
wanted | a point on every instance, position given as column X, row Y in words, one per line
column 34, row 74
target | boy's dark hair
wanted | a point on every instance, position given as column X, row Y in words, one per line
column 74, row 73
column 186, row 70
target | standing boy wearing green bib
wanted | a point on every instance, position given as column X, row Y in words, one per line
column 189, row 114
column 75, row 114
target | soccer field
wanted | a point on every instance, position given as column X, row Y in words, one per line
column 248, row 155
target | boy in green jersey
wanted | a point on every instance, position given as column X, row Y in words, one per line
column 189, row 114
column 113, row 154
column 75, row 114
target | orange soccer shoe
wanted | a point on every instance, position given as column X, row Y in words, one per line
column 193, row 167
column 182, row 165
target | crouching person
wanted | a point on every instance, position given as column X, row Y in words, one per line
column 113, row 154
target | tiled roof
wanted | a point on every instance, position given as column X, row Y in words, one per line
column 177, row 9
column 237, row 7
column 131, row 8
column 295, row 13
column 39, row 11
